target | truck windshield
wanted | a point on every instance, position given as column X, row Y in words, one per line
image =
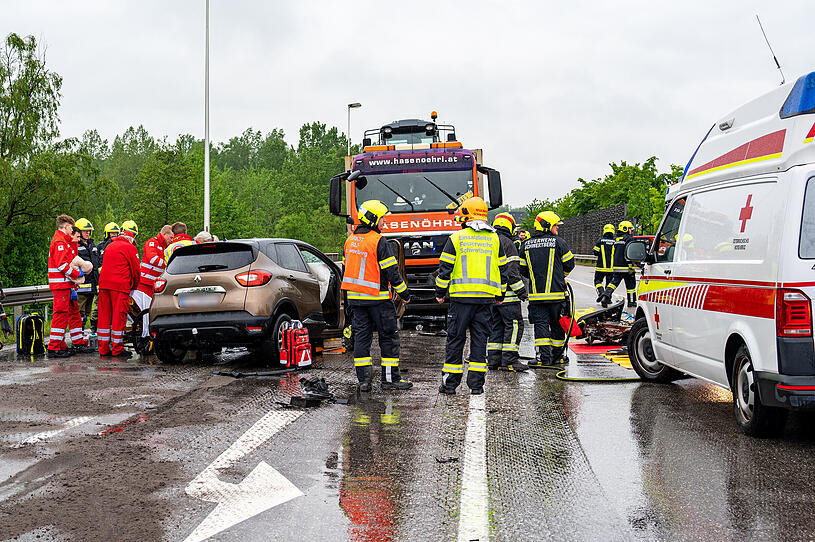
column 415, row 189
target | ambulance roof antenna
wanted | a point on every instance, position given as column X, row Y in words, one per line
column 783, row 79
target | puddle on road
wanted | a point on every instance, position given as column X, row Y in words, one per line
column 26, row 375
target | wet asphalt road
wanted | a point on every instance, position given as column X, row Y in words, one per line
column 100, row 450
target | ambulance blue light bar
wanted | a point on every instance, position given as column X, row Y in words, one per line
column 802, row 97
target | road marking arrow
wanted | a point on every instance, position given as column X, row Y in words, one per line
column 262, row 489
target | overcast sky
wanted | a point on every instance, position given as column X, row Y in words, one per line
column 551, row 91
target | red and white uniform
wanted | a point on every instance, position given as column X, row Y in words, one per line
column 152, row 266
column 66, row 319
column 119, row 276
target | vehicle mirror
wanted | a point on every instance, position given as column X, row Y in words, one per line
column 366, row 142
column 353, row 175
column 451, row 136
column 335, row 195
column 494, row 184
column 361, row 182
column 635, row 251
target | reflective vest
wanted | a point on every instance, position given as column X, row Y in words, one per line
column 362, row 273
column 475, row 271
column 180, row 240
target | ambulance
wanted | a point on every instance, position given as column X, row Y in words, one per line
column 727, row 287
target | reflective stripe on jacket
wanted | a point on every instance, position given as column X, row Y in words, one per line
column 472, row 266
column 604, row 250
column 60, row 255
column 179, row 240
column 621, row 265
column 546, row 260
column 152, row 263
column 515, row 284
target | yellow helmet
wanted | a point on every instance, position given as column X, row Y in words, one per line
column 371, row 211
column 473, row 208
column 546, row 219
column 608, row 228
column 506, row 220
column 130, row 226
column 626, row 226
column 83, row 224
column 111, row 227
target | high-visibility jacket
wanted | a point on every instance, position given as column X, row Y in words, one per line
column 88, row 252
column 515, row 290
column 472, row 265
column 621, row 265
column 60, row 255
column 121, row 270
column 179, row 240
column 152, row 263
column 546, row 260
column 369, row 267
column 604, row 250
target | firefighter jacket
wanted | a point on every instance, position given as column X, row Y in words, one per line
column 369, row 268
column 621, row 265
column 61, row 275
column 604, row 250
column 179, row 240
column 100, row 249
column 515, row 291
column 546, row 260
column 88, row 252
column 121, row 273
column 152, row 263
column 472, row 265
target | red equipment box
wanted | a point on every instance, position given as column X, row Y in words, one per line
column 296, row 349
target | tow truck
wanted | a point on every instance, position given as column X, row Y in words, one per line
column 422, row 173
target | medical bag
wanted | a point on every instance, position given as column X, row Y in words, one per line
column 295, row 350
column 29, row 334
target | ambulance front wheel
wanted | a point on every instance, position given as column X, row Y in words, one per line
column 642, row 356
column 755, row 419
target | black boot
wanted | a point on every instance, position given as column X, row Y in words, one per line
column 605, row 300
column 494, row 360
column 396, row 382
column 632, row 300
column 365, row 375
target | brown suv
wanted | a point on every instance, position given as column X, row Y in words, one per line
column 244, row 293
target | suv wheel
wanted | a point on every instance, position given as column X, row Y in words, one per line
column 167, row 354
column 270, row 348
column 642, row 356
column 755, row 419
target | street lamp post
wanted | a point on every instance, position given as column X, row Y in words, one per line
column 350, row 107
column 206, row 124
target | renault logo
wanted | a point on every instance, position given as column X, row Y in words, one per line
column 197, row 279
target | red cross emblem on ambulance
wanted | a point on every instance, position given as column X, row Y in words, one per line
column 746, row 213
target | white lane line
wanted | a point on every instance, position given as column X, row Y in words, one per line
column 262, row 489
column 473, row 523
column 45, row 435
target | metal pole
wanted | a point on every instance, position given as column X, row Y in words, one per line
column 348, row 136
column 206, row 126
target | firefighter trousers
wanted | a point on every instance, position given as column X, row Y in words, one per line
column 66, row 322
column 630, row 285
column 382, row 317
column 549, row 336
column 85, row 307
column 113, row 307
column 506, row 332
column 460, row 318
column 602, row 279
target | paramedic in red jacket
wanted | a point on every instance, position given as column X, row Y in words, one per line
column 152, row 266
column 119, row 277
column 61, row 277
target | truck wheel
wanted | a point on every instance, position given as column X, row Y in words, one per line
column 755, row 419
column 642, row 357
column 167, row 354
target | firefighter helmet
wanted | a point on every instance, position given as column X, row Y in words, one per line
column 626, row 226
column 130, row 226
column 546, row 219
column 608, row 228
column 371, row 211
column 473, row 208
column 111, row 227
column 83, row 224
column 506, row 220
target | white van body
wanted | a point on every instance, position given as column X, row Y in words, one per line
column 745, row 243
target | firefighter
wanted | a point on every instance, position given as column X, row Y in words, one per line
column 151, row 268
column 180, row 239
column 61, row 276
column 604, row 268
column 472, row 268
column 546, row 260
column 119, row 276
column 369, row 268
column 111, row 232
column 623, row 269
column 506, row 320
column 87, row 251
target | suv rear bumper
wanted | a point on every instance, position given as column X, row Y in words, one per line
column 215, row 329
column 791, row 392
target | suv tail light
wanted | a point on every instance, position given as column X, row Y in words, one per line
column 253, row 278
column 158, row 286
column 793, row 314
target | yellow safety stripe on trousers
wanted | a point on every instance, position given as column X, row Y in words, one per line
column 441, row 283
column 493, row 346
column 477, row 366
column 401, row 287
column 631, row 290
column 390, row 362
column 383, row 295
column 598, row 285
column 362, row 362
column 566, row 257
column 514, row 339
column 558, row 342
column 510, row 347
column 544, row 341
column 447, row 257
column 449, row 368
column 387, row 262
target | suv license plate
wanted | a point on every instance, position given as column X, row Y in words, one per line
column 199, row 300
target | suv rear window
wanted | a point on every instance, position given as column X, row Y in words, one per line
column 210, row 257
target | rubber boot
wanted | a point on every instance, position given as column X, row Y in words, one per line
column 365, row 375
column 493, row 360
column 632, row 300
column 397, row 382
column 605, row 300
column 535, row 363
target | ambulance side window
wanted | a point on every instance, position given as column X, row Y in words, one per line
column 806, row 244
column 667, row 236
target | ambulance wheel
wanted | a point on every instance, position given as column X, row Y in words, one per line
column 642, row 356
column 755, row 419
column 167, row 354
